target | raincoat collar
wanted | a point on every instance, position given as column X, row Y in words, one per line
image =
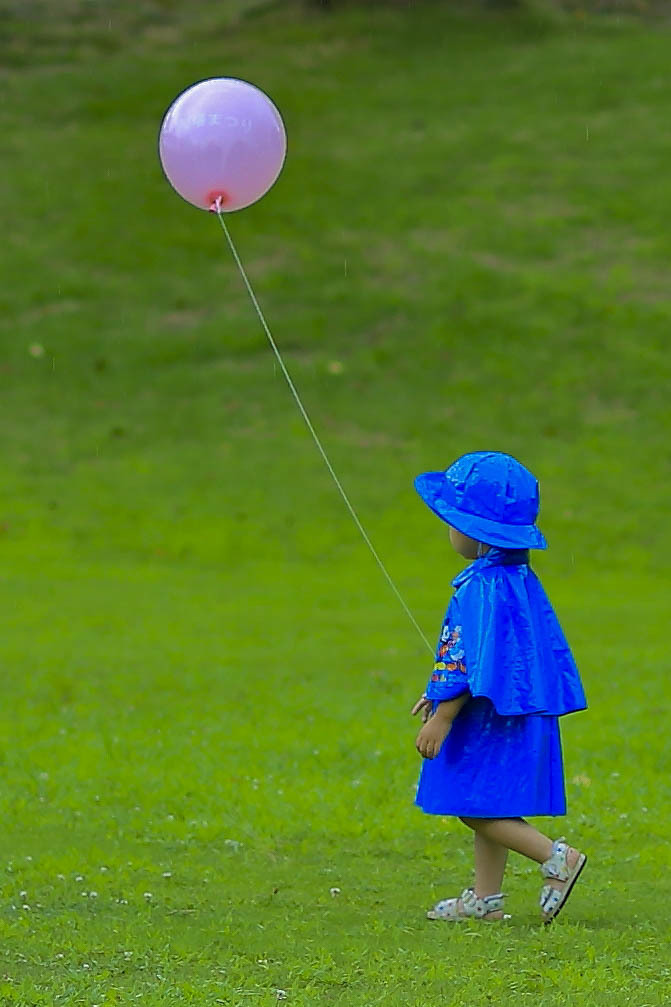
column 494, row 557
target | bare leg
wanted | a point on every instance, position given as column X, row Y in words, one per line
column 515, row 834
column 490, row 863
column 492, row 839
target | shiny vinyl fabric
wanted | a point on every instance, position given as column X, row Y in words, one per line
column 489, row 496
column 495, row 767
column 501, row 641
column 516, row 653
column 512, row 647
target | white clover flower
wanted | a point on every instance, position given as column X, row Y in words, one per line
column 148, row 896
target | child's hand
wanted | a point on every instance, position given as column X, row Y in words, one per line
column 424, row 705
column 431, row 737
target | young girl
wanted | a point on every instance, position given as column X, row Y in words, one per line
column 503, row 676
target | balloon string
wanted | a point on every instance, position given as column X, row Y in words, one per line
column 216, row 207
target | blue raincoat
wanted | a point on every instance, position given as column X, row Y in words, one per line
column 501, row 642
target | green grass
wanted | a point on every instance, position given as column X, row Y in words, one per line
column 206, row 678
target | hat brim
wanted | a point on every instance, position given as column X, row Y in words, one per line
column 431, row 488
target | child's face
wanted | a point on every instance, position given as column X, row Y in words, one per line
column 465, row 546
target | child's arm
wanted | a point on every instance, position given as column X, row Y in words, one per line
column 437, row 728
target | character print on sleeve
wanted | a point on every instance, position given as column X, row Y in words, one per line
column 450, row 654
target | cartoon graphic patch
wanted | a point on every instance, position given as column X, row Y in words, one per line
column 450, row 647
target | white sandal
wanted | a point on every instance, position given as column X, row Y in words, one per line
column 468, row 906
column 557, row 868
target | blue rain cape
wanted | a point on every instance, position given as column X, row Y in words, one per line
column 502, row 640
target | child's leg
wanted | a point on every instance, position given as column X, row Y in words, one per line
column 561, row 864
column 490, row 863
column 514, row 834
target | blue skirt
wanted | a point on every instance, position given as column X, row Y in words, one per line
column 495, row 767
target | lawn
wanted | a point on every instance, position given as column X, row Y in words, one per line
column 208, row 760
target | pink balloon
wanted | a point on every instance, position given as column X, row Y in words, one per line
column 222, row 144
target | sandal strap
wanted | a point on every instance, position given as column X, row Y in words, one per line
column 550, row 899
column 561, row 879
column 557, row 866
column 473, row 906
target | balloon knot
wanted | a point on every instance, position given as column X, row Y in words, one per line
column 217, row 203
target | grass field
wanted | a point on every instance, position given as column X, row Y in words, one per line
column 207, row 681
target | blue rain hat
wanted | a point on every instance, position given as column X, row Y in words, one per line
column 488, row 496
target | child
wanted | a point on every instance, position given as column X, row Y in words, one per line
column 503, row 676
